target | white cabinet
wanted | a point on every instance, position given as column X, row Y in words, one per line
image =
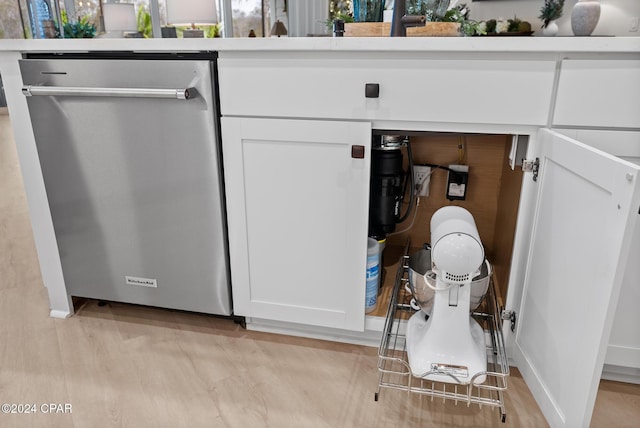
column 297, row 202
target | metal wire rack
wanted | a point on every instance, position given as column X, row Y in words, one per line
column 393, row 365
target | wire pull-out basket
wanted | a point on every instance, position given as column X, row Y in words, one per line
column 393, row 364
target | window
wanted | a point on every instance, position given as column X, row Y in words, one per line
column 89, row 9
column 250, row 15
column 12, row 20
column 39, row 10
column 237, row 17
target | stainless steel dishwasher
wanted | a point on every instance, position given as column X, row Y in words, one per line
column 129, row 151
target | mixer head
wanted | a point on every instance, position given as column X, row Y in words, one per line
column 457, row 253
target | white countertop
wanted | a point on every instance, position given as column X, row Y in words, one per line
column 377, row 44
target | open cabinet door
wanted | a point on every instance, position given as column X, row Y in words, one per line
column 588, row 202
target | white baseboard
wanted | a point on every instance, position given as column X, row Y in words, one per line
column 59, row 314
column 623, row 356
column 369, row 337
column 621, row 374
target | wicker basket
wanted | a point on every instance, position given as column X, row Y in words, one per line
column 383, row 29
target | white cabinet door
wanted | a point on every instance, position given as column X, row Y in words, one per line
column 588, row 203
column 297, row 203
column 624, row 344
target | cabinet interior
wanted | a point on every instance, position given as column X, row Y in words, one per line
column 493, row 194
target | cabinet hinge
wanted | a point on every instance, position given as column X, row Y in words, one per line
column 508, row 315
column 531, row 166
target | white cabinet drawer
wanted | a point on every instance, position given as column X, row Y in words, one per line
column 305, row 85
column 598, row 93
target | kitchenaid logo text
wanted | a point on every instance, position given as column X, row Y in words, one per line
column 143, row 282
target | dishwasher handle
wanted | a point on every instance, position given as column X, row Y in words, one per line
column 180, row 94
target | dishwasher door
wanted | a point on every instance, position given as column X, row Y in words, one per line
column 130, row 157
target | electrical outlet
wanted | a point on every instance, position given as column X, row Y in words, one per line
column 421, row 179
column 457, row 182
column 635, row 23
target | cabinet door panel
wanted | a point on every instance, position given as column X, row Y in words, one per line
column 297, row 205
column 587, row 206
column 624, row 346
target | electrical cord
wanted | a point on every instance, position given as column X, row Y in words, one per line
column 461, row 141
column 433, row 287
column 415, row 213
column 446, row 168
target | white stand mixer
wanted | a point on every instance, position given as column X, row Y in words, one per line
column 449, row 345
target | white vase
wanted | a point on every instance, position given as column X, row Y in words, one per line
column 551, row 29
column 584, row 17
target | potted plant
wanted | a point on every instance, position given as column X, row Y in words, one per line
column 551, row 11
column 143, row 19
column 82, row 29
column 212, row 31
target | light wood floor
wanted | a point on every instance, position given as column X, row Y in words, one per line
column 124, row 365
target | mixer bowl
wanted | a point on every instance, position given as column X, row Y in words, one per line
column 420, row 265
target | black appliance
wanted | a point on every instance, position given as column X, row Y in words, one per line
column 388, row 185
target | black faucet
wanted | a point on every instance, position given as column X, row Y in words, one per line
column 401, row 20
